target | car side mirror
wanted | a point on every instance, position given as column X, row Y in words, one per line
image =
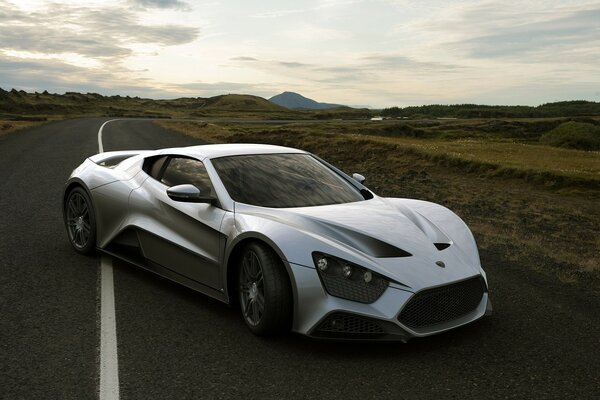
column 359, row 178
column 188, row 194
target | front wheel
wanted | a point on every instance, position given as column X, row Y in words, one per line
column 80, row 221
column 264, row 291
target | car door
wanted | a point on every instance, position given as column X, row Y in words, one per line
column 183, row 237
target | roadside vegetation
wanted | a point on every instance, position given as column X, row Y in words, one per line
column 557, row 109
column 9, row 126
column 481, row 147
column 574, row 135
column 528, row 203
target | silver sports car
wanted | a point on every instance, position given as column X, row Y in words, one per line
column 291, row 240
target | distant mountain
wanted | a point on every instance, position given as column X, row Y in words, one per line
column 297, row 101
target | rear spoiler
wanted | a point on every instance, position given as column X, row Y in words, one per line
column 112, row 158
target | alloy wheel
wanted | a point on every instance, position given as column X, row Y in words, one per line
column 78, row 220
column 252, row 292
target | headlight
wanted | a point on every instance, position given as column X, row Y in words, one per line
column 349, row 281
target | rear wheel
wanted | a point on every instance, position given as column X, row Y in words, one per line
column 80, row 221
column 264, row 291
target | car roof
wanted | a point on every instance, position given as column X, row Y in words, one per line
column 223, row 150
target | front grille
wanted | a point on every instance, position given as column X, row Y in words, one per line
column 341, row 324
column 442, row 304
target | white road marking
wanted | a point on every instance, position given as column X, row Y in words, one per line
column 100, row 147
column 109, row 361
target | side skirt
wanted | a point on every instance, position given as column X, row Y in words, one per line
column 132, row 255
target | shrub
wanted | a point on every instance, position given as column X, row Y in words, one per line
column 573, row 135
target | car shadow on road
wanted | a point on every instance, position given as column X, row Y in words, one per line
column 218, row 323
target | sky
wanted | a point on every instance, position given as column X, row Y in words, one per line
column 377, row 53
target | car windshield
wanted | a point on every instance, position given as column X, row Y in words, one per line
column 283, row 180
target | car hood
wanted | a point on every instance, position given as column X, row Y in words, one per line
column 401, row 242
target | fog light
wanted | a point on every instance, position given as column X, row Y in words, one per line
column 346, row 271
column 322, row 263
column 367, row 276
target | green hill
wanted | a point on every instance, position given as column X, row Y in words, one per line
column 242, row 103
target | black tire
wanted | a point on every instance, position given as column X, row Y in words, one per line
column 264, row 291
column 80, row 221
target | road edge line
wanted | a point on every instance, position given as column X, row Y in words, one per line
column 109, row 362
column 100, row 146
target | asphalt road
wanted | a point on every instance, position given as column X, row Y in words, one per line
column 542, row 342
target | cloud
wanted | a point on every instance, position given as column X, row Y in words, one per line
column 380, row 67
column 573, row 29
column 57, row 76
column 51, row 40
column 269, row 64
column 70, row 48
column 361, row 69
column 513, row 30
column 294, row 64
column 90, row 32
column 348, row 75
column 164, row 4
column 243, row 59
column 399, row 62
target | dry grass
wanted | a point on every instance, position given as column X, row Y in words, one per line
column 7, row 127
column 569, row 171
column 205, row 130
column 526, row 157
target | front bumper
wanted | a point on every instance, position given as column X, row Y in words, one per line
column 397, row 315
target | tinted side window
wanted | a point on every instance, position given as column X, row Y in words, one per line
column 186, row 170
column 153, row 166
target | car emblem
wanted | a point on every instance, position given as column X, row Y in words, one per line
column 440, row 264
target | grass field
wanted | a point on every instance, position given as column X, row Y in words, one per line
column 534, row 204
